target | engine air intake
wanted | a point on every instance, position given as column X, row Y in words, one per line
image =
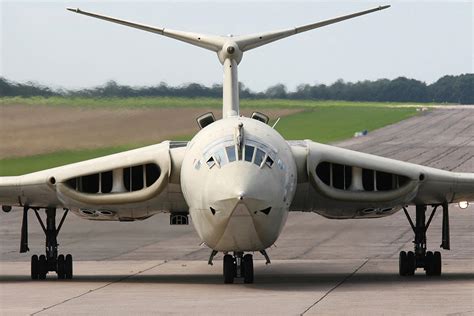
column 352, row 178
column 128, row 179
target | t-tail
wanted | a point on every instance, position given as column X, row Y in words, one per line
column 229, row 49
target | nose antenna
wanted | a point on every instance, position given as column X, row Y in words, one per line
column 239, row 138
column 229, row 49
column 275, row 124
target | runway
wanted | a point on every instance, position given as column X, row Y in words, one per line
column 319, row 266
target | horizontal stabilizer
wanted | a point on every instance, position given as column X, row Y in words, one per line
column 216, row 43
column 210, row 42
column 249, row 42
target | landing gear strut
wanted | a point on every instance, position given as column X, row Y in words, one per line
column 41, row 265
column 238, row 266
column 420, row 257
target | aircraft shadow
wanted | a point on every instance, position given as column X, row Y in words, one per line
column 276, row 282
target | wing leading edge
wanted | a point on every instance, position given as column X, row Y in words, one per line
column 145, row 180
column 341, row 183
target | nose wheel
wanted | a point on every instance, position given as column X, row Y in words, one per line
column 238, row 266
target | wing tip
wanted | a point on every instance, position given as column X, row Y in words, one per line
column 77, row 10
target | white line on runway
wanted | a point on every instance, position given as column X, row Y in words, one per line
column 100, row 287
column 336, row 286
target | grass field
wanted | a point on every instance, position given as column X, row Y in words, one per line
column 15, row 166
column 325, row 121
column 329, row 124
column 186, row 102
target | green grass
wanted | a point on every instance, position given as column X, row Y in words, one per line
column 322, row 124
column 157, row 102
column 22, row 165
column 330, row 124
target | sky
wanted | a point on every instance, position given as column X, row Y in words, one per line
column 424, row 40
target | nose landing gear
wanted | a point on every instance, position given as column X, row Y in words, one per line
column 238, row 266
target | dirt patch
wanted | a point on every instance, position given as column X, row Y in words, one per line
column 29, row 130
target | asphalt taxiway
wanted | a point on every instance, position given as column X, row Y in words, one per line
column 319, row 266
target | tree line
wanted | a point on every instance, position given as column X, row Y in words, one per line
column 448, row 89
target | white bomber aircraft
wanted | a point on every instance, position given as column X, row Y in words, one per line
column 238, row 179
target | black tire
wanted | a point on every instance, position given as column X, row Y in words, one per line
column 68, row 267
column 61, row 267
column 229, row 269
column 411, row 263
column 34, row 267
column 402, row 263
column 42, row 267
column 429, row 263
column 247, row 266
column 437, row 263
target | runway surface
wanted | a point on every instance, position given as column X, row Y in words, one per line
column 319, row 266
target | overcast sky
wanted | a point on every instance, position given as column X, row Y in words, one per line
column 43, row 42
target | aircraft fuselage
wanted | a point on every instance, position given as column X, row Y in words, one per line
column 239, row 178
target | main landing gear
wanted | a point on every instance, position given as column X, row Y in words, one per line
column 420, row 257
column 51, row 261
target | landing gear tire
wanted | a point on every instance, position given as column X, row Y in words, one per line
column 411, row 263
column 406, row 263
column 437, row 264
column 429, row 263
column 61, row 267
column 42, row 267
column 433, row 263
column 229, row 269
column 402, row 263
column 34, row 267
column 68, row 267
column 247, row 266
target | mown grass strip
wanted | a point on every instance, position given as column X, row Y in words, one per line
column 157, row 102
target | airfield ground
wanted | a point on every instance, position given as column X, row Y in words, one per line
column 30, row 130
column 319, row 266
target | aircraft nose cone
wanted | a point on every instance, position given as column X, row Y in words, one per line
column 249, row 184
column 258, row 188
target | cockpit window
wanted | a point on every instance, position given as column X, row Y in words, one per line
column 269, row 161
column 210, row 162
column 230, row 153
column 259, row 156
column 221, row 157
column 224, row 151
column 249, row 153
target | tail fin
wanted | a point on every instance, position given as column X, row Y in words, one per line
column 229, row 49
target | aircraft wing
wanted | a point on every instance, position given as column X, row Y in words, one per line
column 130, row 185
column 342, row 183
